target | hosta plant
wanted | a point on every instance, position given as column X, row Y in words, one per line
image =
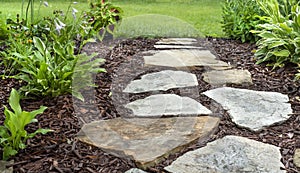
column 280, row 37
column 13, row 135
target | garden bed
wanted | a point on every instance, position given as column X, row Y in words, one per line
column 61, row 152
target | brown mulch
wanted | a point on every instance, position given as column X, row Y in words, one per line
column 61, row 152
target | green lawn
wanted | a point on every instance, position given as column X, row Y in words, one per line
column 145, row 17
column 10, row 8
column 203, row 15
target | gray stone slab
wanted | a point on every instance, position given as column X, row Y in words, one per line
column 234, row 76
column 162, row 80
column 252, row 109
column 168, row 105
column 135, row 170
column 147, row 140
column 296, row 158
column 230, row 154
column 182, row 58
column 176, row 41
column 162, row 46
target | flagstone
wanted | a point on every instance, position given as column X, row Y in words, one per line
column 147, row 140
column 234, row 76
column 162, row 46
column 296, row 158
column 230, row 154
column 168, row 105
column 182, row 58
column 252, row 109
column 176, row 41
column 3, row 168
column 135, row 170
column 162, row 80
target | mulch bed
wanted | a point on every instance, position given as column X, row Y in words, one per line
column 61, row 152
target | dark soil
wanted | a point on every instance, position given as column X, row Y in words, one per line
column 61, row 152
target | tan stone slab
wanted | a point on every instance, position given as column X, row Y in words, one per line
column 297, row 158
column 234, row 76
column 3, row 168
column 183, row 58
column 162, row 46
column 176, row 41
column 147, row 140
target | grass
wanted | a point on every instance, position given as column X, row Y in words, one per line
column 10, row 8
column 151, row 18
column 202, row 15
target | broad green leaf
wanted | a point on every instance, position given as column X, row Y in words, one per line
column 14, row 101
column 8, row 151
column 276, row 44
column 284, row 53
column 39, row 44
column 36, row 112
column 42, row 131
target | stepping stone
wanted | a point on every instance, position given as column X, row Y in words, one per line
column 230, row 154
column 183, row 58
column 146, row 140
column 167, row 105
column 296, row 158
column 162, row 80
column 222, row 77
column 160, row 46
column 3, row 168
column 135, row 170
column 176, row 41
column 252, row 109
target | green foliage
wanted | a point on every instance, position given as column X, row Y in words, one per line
column 3, row 28
column 13, row 135
column 239, row 18
column 102, row 14
column 280, row 37
column 43, row 54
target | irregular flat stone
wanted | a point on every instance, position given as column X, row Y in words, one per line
column 182, row 41
column 230, row 154
column 135, row 170
column 166, row 104
column 252, row 109
column 296, row 158
column 183, row 58
column 220, row 77
column 3, row 168
column 161, row 46
column 147, row 140
column 162, row 80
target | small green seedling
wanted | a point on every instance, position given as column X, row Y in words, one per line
column 13, row 135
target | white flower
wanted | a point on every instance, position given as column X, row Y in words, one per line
column 46, row 4
column 74, row 11
column 75, row 2
column 58, row 25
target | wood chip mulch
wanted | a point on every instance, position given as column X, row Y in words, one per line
column 61, row 152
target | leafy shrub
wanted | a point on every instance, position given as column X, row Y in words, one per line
column 13, row 135
column 280, row 37
column 239, row 18
column 103, row 14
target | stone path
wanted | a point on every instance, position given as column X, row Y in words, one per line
column 163, row 124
